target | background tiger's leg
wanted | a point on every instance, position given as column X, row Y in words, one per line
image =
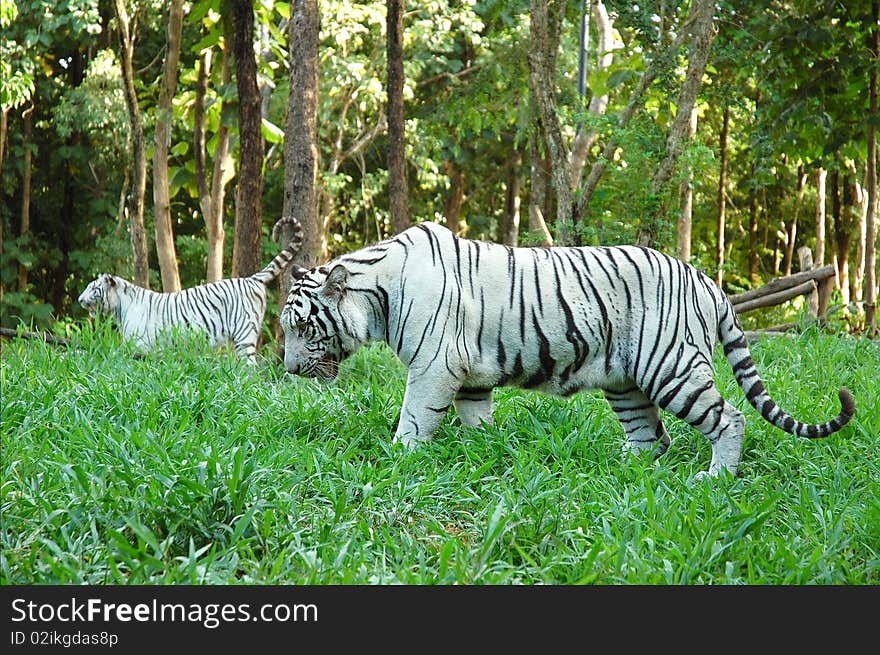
column 641, row 421
column 474, row 406
column 246, row 346
column 697, row 401
column 425, row 401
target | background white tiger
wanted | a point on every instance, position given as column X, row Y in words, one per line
column 227, row 310
column 467, row 316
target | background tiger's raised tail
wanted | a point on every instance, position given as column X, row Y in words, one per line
column 737, row 352
column 274, row 268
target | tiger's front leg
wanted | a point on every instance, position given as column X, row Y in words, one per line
column 474, row 406
column 425, row 402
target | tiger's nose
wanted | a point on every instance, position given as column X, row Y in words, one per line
column 291, row 366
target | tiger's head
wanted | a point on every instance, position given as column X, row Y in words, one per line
column 100, row 295
column 323, row 323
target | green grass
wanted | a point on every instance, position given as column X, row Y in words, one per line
column 189, row 467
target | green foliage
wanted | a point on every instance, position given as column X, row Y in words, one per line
column 793, row 74
column 96, row 110
column 189, row 467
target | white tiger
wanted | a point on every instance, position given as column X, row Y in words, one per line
column 227, row 310
column 467, row 316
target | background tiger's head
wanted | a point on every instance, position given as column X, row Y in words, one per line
column 322, row 323
column 100, row 295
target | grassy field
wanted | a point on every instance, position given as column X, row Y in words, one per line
column 193, row 468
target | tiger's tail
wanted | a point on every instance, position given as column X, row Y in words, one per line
column 282, row 259
column 737, row 352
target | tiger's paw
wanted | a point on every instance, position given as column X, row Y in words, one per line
column 407, row 441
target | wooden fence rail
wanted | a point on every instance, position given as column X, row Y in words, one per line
column 816, row 283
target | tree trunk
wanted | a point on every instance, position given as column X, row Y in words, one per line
column 510, row 232
column 139, row 249
column 844, row 225
column 165, row 249
column 4, row 126
column 212, row 191
column 722, row 198
column 677, row 137
column 246, row 255
column 301, row 132
column 585, row 140
column 538, row 230
column 819, row 258
column 792, row 227
column 870, row 233
column 4, row 129
column 635, row 100
column 753, row 237
column 684, row 223
column 398, row 189
column 60, row 296
column 544, row 30
column 27, row 167
column 455, row 199
column 857, row 293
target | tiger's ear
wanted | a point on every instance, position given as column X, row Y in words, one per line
column 298, row 272
column 336, row 282
column 110, row 280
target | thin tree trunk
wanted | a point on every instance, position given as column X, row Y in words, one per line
column 834, row 223
column 538, row 229
column 684, row 223
column 792, row 227
column 510, row 231
column 585, row 140
column 301, row 132
column 859, row 274
column 4, row 125
column 544, row 30
column 25, row 226
column 819, row 259
column 139, row 249
column 246, row 251
column 398, row 189
column 60, row 296
column 870, row 234
column 455, row 199
column 722, row 197
column 4, row 129
column 843, row 229
column 212, row 190
column 831, row 225
column 677, row 137
column 165, row 249
column 753, row 237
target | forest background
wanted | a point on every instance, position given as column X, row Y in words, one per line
column 161, row 140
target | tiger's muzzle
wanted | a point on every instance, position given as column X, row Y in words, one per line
column 326, row 368
column 90, row 305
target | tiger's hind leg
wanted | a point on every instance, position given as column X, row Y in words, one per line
column 641, row 421
column 694, row 398
column 245, row 343
column 474, row 406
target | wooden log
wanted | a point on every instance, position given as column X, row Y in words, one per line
column 805, row 259
column 782, row 283
column 38, row 336
column 775, row 298
column 823, row 296
column 753, row 335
